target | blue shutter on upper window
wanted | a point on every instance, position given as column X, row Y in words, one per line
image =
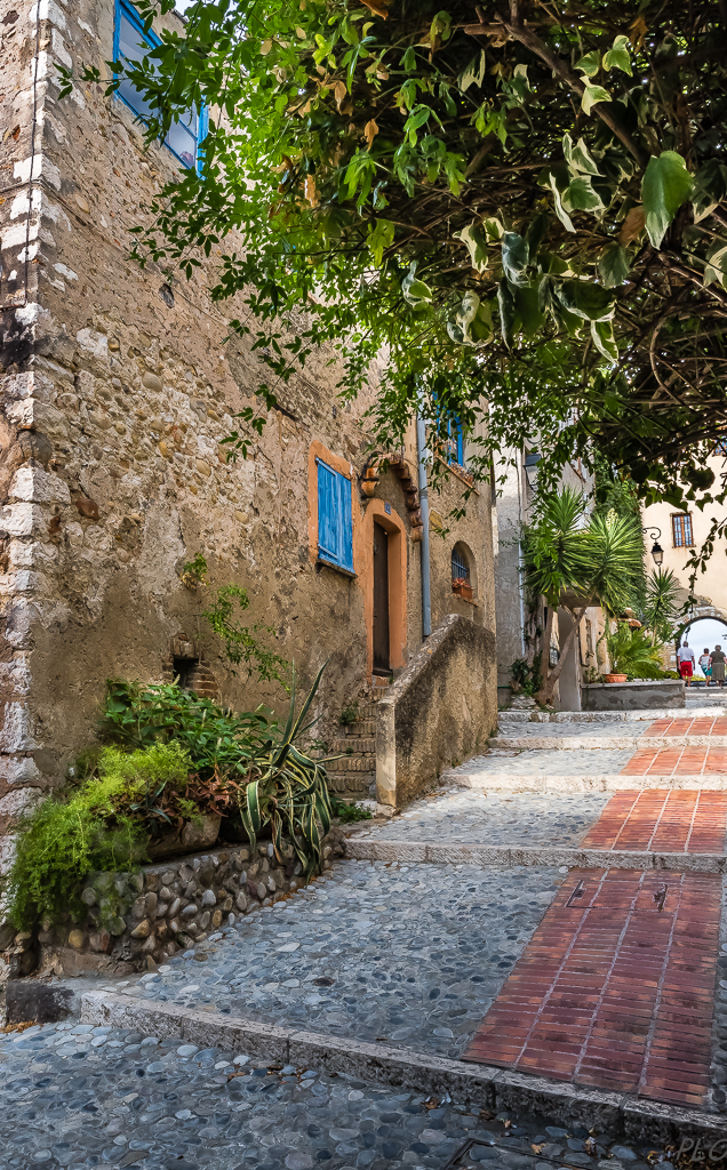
column 335, row 520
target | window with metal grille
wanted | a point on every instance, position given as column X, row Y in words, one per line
column 681, row 527
column 335, row 521
column 131, row 43
column 720, row 447
column 460, row 568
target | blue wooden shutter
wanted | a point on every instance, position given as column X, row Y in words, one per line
column 335, row 521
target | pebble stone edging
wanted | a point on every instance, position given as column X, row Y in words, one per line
column 136, row 920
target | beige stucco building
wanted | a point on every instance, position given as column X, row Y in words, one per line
column 118, row 387
column 681, row 533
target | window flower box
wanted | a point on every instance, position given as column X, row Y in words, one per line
column 462, row 588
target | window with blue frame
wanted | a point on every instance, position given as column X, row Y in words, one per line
column 335, row 521
column 455, row 442
column 131, row 42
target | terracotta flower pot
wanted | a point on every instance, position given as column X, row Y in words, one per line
column 616, row 678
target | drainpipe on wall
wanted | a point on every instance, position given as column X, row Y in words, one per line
column 424, row 505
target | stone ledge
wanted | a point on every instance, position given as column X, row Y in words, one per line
column 586, row 743
column 477, row 1085
column 605, row 782
column 407, row 851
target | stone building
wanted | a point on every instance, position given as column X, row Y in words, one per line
column 118, row 386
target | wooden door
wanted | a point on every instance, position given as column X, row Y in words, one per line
column 382, row 662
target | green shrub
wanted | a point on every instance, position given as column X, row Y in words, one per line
column 632, row 653
column 220, row 743
column 105, row 824
column 349, row 813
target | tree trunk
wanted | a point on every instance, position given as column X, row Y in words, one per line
column 545, row 694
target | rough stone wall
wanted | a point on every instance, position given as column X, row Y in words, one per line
column 439, row 712
column 120, row 386
column 134, row 921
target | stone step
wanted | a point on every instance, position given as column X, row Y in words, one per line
column 358, row 763
column 640, row 716
column 408, row 851
column 573, row 743
column 352, row 785
column 478, row 1086
column 587, row 782
column 361, row 729
column 348, row 744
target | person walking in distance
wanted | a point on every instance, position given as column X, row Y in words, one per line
column 705, row 661
column 718, row 664
column 686, row 660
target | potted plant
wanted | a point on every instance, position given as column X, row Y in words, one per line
column 632, row 655
column 462, row 587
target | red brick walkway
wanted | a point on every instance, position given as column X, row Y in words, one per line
column 686, row 725
column 690, row 761
column 664, row 820
column 616, row 987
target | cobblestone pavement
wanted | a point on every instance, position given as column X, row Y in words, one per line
column 409, row 954
column 575, row 731
column 77, row 1097
column 526, row 818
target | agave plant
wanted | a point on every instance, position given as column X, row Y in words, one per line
column 290, row 792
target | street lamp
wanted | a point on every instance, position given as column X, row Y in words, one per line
column 531, row 469
column 657, row 551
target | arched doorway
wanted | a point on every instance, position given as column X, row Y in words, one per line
column 705, row 632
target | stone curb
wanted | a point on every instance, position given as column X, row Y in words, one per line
column 480, row 1085
column 363, row 849
column 606, row 782
column 638, row 715
column 573, row 743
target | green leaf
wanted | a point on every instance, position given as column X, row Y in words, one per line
column 473, row 237
column 578, row 157
column 590, row 64
column 666, row 185
column 710, row 188
column 506, row 309
column 716, row 269
column 515, row 256
column 613, row 266
column 560, row 210
column 592, row 95
column 415, row 292
column 380, row 236
column 580, row 196
column 528, row 309
column 604, row 340
column 589, row 301
column 618, row 57
column 474, row 74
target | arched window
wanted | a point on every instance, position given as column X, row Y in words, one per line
column 463, row 581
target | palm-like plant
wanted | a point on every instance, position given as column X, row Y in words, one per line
column 662, row 604
column 576, row 564
column 290, row 792
column 632, row 653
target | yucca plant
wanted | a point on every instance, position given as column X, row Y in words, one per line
column 662, row 604
column 290, row 792
column 632, row 653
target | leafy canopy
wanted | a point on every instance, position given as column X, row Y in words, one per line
column 520, row 204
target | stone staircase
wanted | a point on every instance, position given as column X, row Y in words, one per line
column 353, row 776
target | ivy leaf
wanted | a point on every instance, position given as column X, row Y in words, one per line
column 589, row 301
column 474, row 74
column 613, row 266
column 416, row 292
column 380, row 236
column 473, row 237
column 528, row 309
column 666, row 185
column 618, row 56
column 716, row 270
column 592, row 95
column 560, row 210
column 580, row 196
column 515, row 256
column 578, row 157
column 604, row 340
column 590, row 64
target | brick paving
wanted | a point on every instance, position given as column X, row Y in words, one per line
column 615, row 989
column 689, row 725
column 692, row 761
column 665, row 820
